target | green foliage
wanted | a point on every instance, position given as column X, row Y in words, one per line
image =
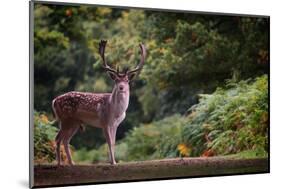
column 230, row 120
column 155, row 140
column 44, row 135
column 249, row 154
column 194, row 56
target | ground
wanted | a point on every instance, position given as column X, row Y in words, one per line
column 46, row 175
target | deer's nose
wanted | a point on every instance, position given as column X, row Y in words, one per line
column 121, row 87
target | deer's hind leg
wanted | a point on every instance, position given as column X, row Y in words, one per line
column 58, row 143
column 69, row 128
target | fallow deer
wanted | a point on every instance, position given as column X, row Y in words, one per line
column 102, row 110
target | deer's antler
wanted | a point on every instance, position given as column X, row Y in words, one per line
column 102, row 46
column 140, row 65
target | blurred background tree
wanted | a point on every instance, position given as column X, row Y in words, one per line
column 188, row 54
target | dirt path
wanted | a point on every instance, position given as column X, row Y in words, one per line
column 46, row 175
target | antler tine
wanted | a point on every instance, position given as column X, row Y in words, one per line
column 140, row 65
column 102, row 46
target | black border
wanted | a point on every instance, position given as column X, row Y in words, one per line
column 31, row 91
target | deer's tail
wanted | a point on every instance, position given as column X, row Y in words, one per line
column 54, row 110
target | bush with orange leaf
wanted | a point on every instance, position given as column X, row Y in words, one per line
column 44, row 144
column 232, row 120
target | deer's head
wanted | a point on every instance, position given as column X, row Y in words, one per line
column 123, row 78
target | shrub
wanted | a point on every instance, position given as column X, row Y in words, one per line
column 156, row 140
column 44, row 134
column 230, row 120
column 44, row 140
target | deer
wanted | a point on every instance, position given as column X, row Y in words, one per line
column 106, row 111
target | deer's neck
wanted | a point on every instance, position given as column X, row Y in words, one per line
column 119, row 102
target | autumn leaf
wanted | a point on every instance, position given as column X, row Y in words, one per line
column 193, row 37
column 68, row 12
column 184, row 150
column 44, row 119
column 208, row 153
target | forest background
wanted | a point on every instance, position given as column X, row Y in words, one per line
column 202, row 92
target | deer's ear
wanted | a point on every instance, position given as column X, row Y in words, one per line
column 112, row 75
column 131, row 76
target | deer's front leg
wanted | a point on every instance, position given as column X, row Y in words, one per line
column 110, row 135
column 108, row 132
